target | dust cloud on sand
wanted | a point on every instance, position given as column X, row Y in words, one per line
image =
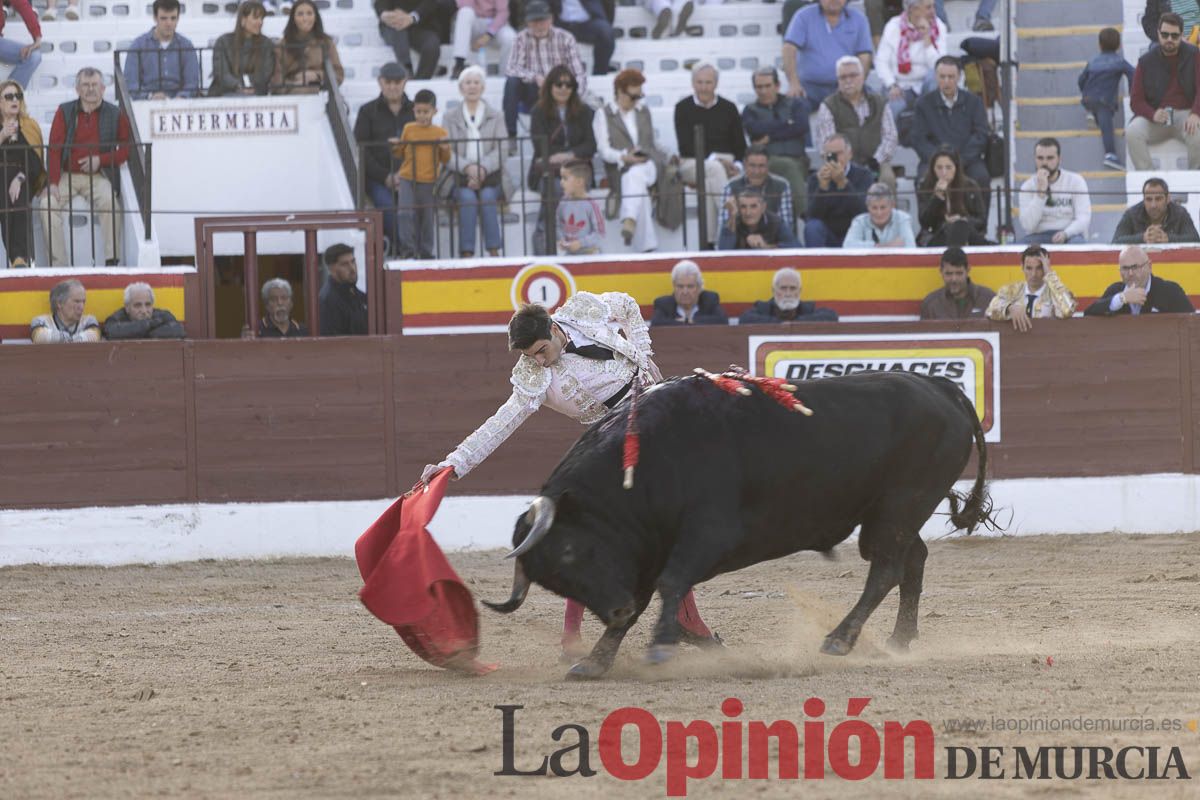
column 269, row 679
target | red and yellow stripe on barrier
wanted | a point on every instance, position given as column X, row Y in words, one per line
column 852, row 283
column 24, row 295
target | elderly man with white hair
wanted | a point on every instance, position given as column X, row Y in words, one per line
column 689, row 303
column 277, row 322
column 785, row 305
column 861, row 116
column 724, row 140
column 139, row 319
column 66, row 321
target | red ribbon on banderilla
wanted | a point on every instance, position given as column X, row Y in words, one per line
column 733, row 381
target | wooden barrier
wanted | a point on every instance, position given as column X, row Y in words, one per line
column 346, row 418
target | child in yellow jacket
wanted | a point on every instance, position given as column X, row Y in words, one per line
column 423, row 154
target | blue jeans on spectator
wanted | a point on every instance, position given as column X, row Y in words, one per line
column 426, row 42
column 816, row 92
column 417, row 211
column 599, row 34
column 471, row 205
column 908, row 99
column 23, row 69
column 385, row 200
column 519, row 96
column 985, row 9
column 1104, row 113
column 818, row 234
column 1046, row 237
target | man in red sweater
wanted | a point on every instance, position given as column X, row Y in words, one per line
column 1164, row 96
column 89, row 141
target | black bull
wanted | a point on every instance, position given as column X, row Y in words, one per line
column 727, row 481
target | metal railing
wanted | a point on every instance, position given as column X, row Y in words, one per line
column 139, row 160
column 85, row 186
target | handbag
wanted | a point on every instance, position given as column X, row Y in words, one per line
column 445, row 186
column 994, row 156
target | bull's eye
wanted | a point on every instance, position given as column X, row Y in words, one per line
column 568, row 555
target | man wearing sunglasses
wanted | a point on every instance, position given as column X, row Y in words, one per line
column 1140, row 292
column 1163, row 97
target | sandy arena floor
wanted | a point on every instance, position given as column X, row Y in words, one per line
column 236, row 679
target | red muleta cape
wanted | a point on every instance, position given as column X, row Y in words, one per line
column 411, row 586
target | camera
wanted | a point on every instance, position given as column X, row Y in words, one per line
column 831, row 158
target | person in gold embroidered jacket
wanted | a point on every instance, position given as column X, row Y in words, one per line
column 580, row 361
column 1042, row 295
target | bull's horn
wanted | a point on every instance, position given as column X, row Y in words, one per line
column 542, row 512
column 519, row 590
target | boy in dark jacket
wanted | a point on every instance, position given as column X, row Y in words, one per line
column 1098, row 86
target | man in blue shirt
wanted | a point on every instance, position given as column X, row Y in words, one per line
column 161, row 63
column 816, row 38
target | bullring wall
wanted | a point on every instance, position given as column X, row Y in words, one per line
column 339, row 419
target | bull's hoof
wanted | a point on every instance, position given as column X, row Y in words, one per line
column 660, row 653
column 587, row 670
column 835, row 646
column 897, row 644
column 714, row 642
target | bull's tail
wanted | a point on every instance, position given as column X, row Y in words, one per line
column 967, row 512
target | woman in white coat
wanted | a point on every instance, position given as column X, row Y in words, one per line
column 910, row 46
column 476, row 131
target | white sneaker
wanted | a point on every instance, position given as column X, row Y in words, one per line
column 72, row 12
column 271, row 7
column 285, row 8
column 50, row 14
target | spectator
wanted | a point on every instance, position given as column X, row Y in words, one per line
column 378, row 121
column 89, row 141
column 780, row 124
column 479, row 24
column 959, row 297
column 300, row 57
column 837, row 194
column 277, row 323
column 1098, row 88
column 772, row 187
column 66, row 321
column 724, row 142
column 476, row 130
column 1164, row 88
column 51, row 12
column 1042, row 295
column 1139, row 291
column 422, row 152
column 537, row 50
column 561, row 127
column 1055, row 207
column 785, row 305
column 863, row 118
column 139, row 319
column 21, row 173
column 343, row 305
column 755, row 228
column 909, row 49
column 1156, row 8
column 816, row 38
column 162, row 63
column 588, row 22
column 955, row 117
column 624, row 134
column 878, row 13
column 689, row 303
column 883, row 225
column 950, row 206
column 243, row 61
column 25, row 58
column 408, row 25
column 1155, row 220
column 663, row 11
column 580, row 221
